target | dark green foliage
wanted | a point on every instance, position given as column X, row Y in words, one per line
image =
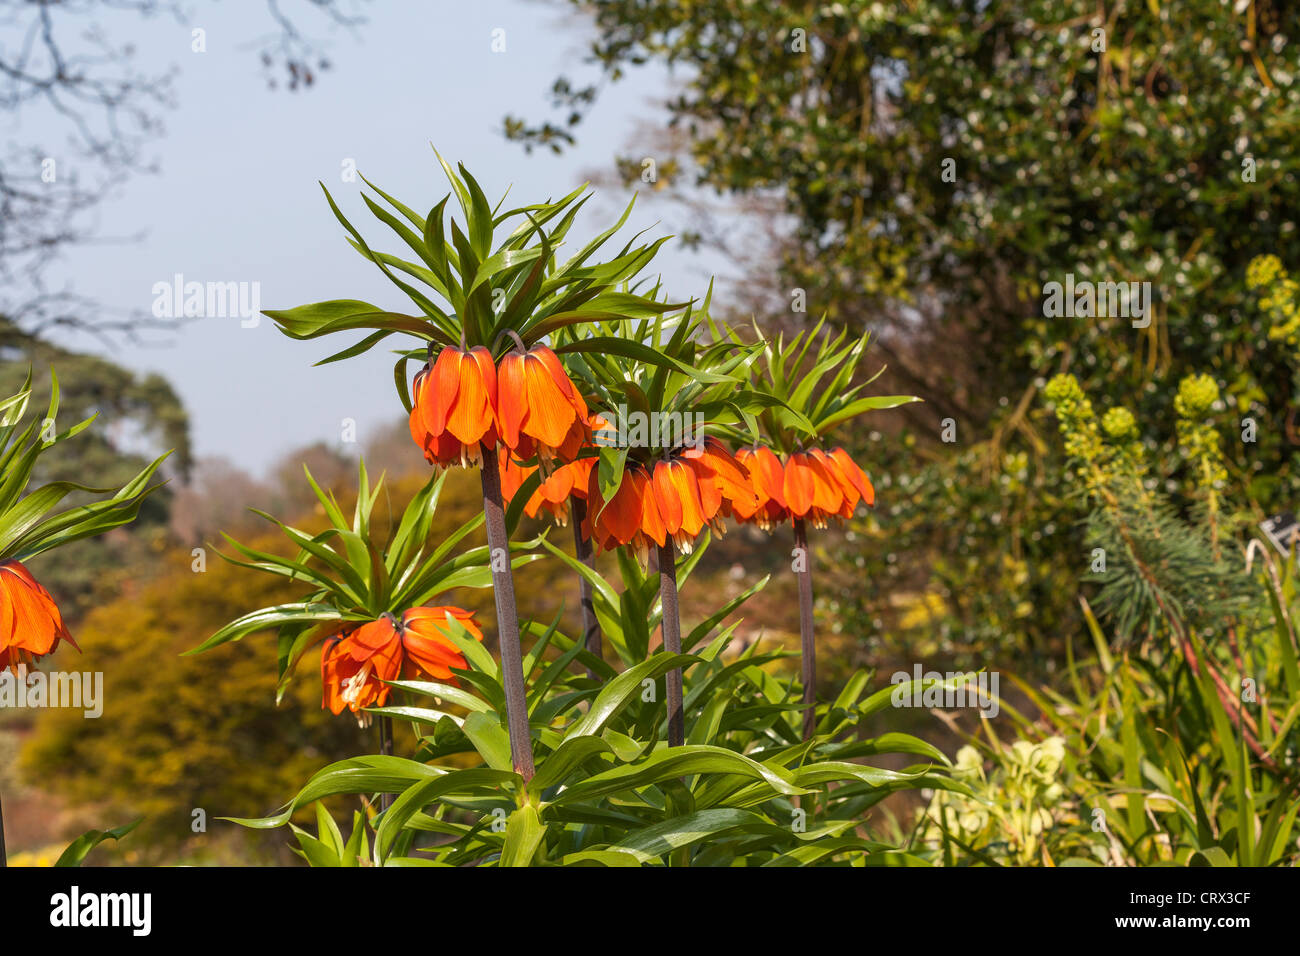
column 1146, row 142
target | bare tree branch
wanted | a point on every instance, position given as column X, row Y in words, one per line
column 64, row 66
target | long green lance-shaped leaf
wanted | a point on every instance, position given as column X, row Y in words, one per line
column 269, row 617
column 654, row 842
column 415, row 798
column 524, row 834
column 369, row 774
column 79, row 848
column 619, row 692
column 674, row 762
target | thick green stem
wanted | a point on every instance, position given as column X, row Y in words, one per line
column 503, row 587
column 803, row 566
column 4, row 860
column 582, row 550
column 672, row 626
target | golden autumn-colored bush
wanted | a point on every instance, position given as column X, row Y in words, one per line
column 180, row 734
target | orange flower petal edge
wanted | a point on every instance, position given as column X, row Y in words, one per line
column 31, row 625
column 356, row 662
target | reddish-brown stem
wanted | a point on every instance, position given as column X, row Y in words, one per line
column 808, row 646
column 672, row 627
column 385, row 748
column 503, row 587
column 582, row 550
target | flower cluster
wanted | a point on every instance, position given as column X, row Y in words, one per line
column 1280, row 297
column 815, row 484
column 674, row 497
column 1012, row 808
column 1197, row 395
column 1078, row 425
column 526, row 404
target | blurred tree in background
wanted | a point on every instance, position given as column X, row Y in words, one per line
column 183, row 733
column 204, row 732
column 73, row 77
column 139, row 417
column 934, row 166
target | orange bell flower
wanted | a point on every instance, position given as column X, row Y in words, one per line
column 30, row 623
column 554, row 491
column 671, row 498
column 680, row 496
column 631, row 517
column 852, row 480
column 767, row 478
column 819, row 485
column 539, row 410
column 810, row 490
column 725, row 481
column 356, row 662
column 454, row 406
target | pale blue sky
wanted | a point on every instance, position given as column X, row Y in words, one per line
column 237, row 197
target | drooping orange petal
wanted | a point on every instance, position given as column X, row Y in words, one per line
column 577, row 438
column 799, row 484
column 827, row 495
column 594, row 504
column 425, row 640
column 511, row 400
column 848, row 492
column 443, row 450
column 550, row 414
column 561, row 377
column 471, row 416
column 419, row 431
column 632, row 495
column 7, row 622
column 621, row 516
column 849, row 468
column 667, row 496
column 36, row 621
column 443, row 387
column 559, row 485
column 733, row 476
column 691, row 492
column 771, row 474
column 513, row 474
column 710, row 486
column 370, row 638
column 488, row 372
column 582, row 469
column 388, row 662
column 745, row 509
column 354, row 669
column 335, row 668
column 652, row 522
